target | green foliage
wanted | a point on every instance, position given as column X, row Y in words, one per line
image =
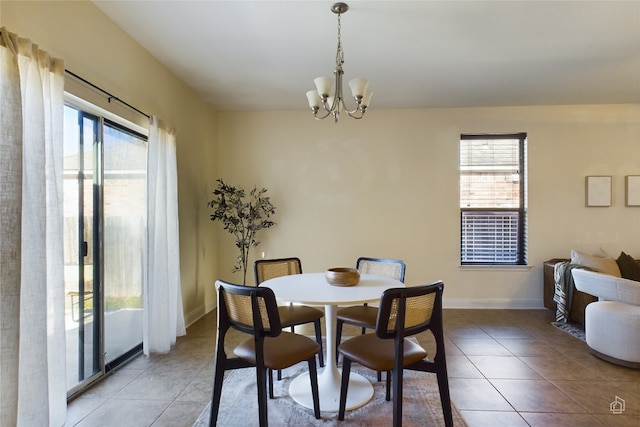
column 242, row 216
column 117, row 303
column 113, row 303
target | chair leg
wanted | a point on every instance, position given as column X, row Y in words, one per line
column 313, row 378
column 397, row 397
column 279, row 370
column 344, row 386
column 279, row 375
column 218, row 374
column 440, row 361
column 339, row 324
column 218, row 378
column 270, row 380
column 262, row 396
column 443, row 386
column 319, row 341
column 388, row 387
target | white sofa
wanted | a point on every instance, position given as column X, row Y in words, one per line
column 612, row 324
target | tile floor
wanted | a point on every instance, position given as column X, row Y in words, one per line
column 506, row 368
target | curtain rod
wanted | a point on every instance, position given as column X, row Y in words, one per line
column 110, row 97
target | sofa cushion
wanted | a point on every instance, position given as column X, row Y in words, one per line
column 606, row 265
column 629, row 267
column 601, row 253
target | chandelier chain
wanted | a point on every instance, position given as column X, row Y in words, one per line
column 339, row 52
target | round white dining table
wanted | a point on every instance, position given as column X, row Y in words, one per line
column 313, row 289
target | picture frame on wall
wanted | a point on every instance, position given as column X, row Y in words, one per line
column 632, row 187
column 598, row 191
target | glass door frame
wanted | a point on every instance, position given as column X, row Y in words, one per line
column 100, row 118
column 97, row 314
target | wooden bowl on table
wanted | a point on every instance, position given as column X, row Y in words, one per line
column 342, row 276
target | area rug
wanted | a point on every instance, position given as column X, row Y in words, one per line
column 573, row 329
column 239, row 404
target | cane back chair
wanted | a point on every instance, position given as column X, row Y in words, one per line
column 254, row 311
column 403, row 313
column 365, row 315
column 290, row 315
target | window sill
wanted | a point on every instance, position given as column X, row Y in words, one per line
column 496, row 267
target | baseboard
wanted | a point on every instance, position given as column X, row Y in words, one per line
column 194, row 315
column 495, row 303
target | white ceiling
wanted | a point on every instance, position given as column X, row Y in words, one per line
column 264, row 55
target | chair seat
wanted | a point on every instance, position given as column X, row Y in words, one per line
column 359, row 315
column 378, row 354
column 280, row 352
column 298, row 314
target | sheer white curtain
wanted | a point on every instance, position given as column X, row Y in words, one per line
column 163, row 313
column 32, row 335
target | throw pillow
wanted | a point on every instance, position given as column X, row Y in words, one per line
column 602, row 265
column 601, row 253
column 629, row 267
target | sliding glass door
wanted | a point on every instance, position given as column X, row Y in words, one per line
column 124, row 187
column 104, row 232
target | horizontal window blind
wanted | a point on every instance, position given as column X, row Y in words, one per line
column 490, row 237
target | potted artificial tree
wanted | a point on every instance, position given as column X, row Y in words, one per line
column 243, row 217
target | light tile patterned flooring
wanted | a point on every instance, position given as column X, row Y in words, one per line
column 506, row 368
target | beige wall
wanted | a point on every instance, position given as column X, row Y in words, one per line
column 387, row 186
column 93, row 47
column 384, row 186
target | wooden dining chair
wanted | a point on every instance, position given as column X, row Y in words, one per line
column 254, row 311
column 404, row 312
column 290, row 315
column 365, row 315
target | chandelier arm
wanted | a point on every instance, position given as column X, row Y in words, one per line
column 359, row 108
column 315, row 114
column 353, row 116
column 351, row 112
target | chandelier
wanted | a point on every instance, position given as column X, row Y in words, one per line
column 322, row 102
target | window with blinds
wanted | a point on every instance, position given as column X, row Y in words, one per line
column 493, row 199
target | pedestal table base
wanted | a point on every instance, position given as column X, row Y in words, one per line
column 360, row 391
